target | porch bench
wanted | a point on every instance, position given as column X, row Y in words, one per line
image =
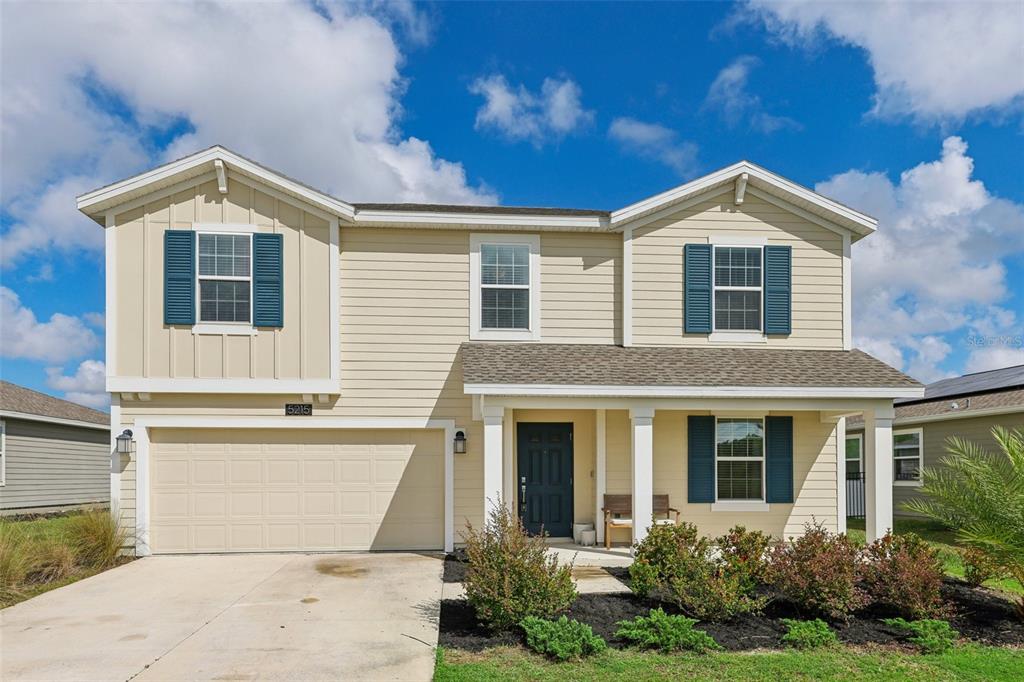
column 623, row 504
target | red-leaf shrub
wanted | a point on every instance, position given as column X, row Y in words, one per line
column 818, row 573
column 979, row 567
column 746, row 553
column 905, row 573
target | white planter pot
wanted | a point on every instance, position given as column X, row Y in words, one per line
column 578, row 528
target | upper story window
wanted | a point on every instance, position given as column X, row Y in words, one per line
column 225, row 277
column 908, row 453
column 739, row 459
column 737, row 288
column 504, row 287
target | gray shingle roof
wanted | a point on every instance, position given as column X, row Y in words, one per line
column 943, row 407
column 605, row 365
column 14, row 398
column 979, row 382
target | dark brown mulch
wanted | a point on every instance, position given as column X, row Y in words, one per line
column 454, row 568
column 980, row 615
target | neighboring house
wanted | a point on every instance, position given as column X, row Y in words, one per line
column 54, row 454
column 966, row 407
column 303, row 373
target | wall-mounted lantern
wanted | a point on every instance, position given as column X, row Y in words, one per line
column 460, row 442
column 124, row 442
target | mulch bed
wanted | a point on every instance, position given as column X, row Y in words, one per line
column 981, row 616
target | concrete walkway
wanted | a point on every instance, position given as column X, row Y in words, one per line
column 233, row 617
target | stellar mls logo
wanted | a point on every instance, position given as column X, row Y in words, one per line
column 1005, row 340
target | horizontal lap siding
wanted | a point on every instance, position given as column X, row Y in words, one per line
column 50, row 465
column 658, row 270
column 581, row 285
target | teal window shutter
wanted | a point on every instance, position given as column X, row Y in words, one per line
column 700, row 458
column 179, row 277
column 267, row 280
column 778, row 289
column 697, row 295
column 778, row 436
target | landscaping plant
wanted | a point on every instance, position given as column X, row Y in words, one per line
column 978, row 566
column 932, row 636
column 746, row 553
column 511, row 576
column 659, row 630
column 561, row 639
column 818, row 573
column 96, row 538
column 15, row 560
column 808, row 634
column 905, row 573
column 981, row 495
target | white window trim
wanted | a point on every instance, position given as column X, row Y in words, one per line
column 860, row 454
column 228, row 328
column 920, row 456
column 742, row 505
column 736, row 335
column 3, row 453
column 476, row 332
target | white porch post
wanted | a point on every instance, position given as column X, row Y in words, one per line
column 841, row 475
column 642, row 419
column 494, row 442
column 508, row 462
column 877, row 472
column 600, row 480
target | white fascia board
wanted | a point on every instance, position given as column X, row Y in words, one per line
column 8, row 414
column 381, row 218
column 107, row 196
column 865, row 224
column 691, row 391
column 253, row 386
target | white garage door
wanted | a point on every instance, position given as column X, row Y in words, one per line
column 238, row 490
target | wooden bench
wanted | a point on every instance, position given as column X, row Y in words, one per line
column 617, row 505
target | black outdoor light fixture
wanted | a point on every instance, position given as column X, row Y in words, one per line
column 124, row 442
column 460, row 442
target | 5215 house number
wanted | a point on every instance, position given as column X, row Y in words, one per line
column 298, row 409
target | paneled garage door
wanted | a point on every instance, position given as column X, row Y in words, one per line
column 238, row 490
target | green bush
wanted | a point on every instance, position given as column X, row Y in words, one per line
column 561, row 639
column 511, row 576
column 746, row 553
column 932, row 636
column 979, row 567
column 808, row 634
column 667, row 633
column 96, row 538
column 690, row 571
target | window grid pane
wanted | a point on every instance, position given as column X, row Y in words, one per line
column 223, row 301
column 505, row 264
column 738, row 310
column 505, row 308
column 739, row 480
column 224, row 255
column 737, row 267
column 740, row 438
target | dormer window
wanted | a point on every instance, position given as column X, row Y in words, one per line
column 225, row 277
column 737, row 288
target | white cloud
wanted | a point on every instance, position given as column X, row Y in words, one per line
column 655, row 141
column 313, row 91
column 931, row 60
column 518, row 114
column 994, row 357
column 729, row 96
column 87, row 386
column 59, row 339
column 935, row 266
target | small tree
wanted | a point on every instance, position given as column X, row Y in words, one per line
column 981, row 495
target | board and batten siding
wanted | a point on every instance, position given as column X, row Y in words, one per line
column 54, row 465
column 814, row 475
column 148, row 348
column 817, row 286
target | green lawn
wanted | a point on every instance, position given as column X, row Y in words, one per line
column 963, row 663
column 943, row 540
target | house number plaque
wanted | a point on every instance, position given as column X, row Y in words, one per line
column 298, row 409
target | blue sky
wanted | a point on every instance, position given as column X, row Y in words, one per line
column 567, row 104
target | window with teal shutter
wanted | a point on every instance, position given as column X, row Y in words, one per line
column 779, row 459
column 778, row 286
column 179, row 277
column 268, row 280
column 700, row 458
column 697, row 294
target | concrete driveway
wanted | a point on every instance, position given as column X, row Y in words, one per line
column 233, row 617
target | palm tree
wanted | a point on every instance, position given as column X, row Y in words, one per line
column 981, row 495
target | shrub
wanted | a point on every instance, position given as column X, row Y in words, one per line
column 932, row 636
column 96, row 538
column 690, row 571
column 15, row 560
column 981, row 495
column 52, row 559
column 667, row 633
column 904, row 572
column 818, row 573
column 510, row 575
column 561, row 639
column 746, row 553
column 979, row 567
column 808, row 634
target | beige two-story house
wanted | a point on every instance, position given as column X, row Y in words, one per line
column 302, row 373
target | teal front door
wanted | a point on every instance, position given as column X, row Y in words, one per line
column 545, row 478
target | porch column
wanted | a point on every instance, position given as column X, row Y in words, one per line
column 600, row 471
column 877, row 472
column 642, row 419
column 841, row 475
column 494, row 419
